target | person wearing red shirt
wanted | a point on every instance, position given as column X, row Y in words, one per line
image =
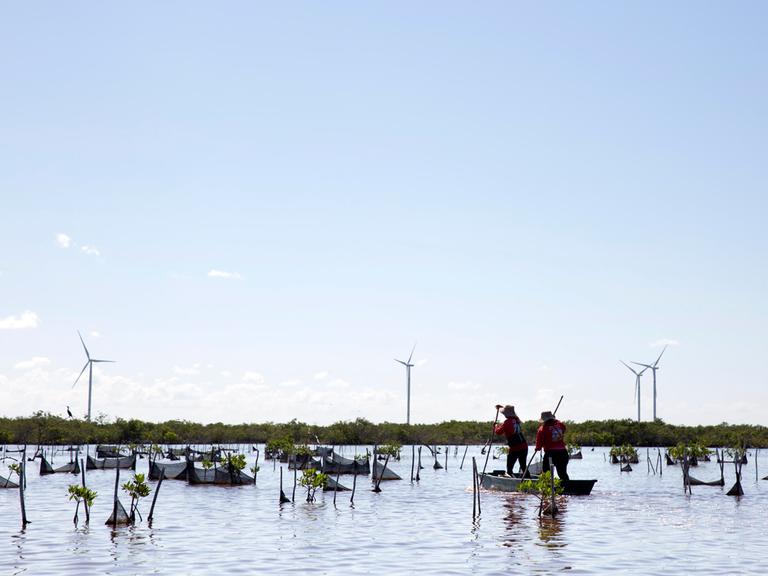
column 551, row 437
column 518, row 447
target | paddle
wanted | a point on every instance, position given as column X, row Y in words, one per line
column 490, row 440
column 534, row 452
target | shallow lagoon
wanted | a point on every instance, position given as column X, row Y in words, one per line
column 632, row 523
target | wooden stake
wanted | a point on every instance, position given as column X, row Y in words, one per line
column 474, row 489
column 114, row 504
column 154, row 498
column 354, row 485
column 22, row 483
column 461, row 467
column 418, row 468
column 85, row 502
column 413, row 460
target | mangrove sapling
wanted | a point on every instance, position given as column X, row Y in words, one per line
column 136, row 489
column 388, row 450
column 542, row 488
column 81, row 494
column 312, row 479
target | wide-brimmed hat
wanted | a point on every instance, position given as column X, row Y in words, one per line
column 546, row 416
column 508, row 410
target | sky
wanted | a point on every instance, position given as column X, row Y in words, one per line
column 254, row 208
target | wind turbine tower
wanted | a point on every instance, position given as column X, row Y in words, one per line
column 637, row 384
column 408, row 367
column 653, row 367
column 88, row 364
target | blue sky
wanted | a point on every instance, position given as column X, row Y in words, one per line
column 263, row 204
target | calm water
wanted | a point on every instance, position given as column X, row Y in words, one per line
column 632, row 523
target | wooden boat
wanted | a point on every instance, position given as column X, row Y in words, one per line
column 123, row 462
column 7, row 483
column 46, row 468
column 499, row 481
column 171, row 470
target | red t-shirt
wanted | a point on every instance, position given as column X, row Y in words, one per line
column 512, row 430
column 550, row 436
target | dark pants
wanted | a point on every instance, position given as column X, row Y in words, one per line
column 520, row 456
column 560, row 460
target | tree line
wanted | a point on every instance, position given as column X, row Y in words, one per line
column 45, row 428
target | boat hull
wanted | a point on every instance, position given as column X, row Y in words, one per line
column 511, row 484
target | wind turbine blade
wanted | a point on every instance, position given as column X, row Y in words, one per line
column 401, row 362
column 83, row 343
column 412, row 349
column 629, row 367
column 641, row 364
column 104, row 361
column 660, row 355
column 81, row 373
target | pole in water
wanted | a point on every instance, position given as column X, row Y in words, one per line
column 490, row 440
column 154, row 498
column 418, row 467
column 474, row 488
column 461, row 467
column 22, row 482
column 413, row 460
column 446, row 458
column 354, row 485
column 114, row 504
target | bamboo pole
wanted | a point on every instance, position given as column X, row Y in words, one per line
column 293, row 494
column 154, row 498
column 446, row 458
column 418, row 468
column 114, row 503
column 490, row 440
column 552, row 486
column 22, row 483
column 413, row 460
column 85, row 501
column 461, row 467
column 474, row 489
column 354, row 485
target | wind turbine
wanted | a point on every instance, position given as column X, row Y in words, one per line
column 637, row 384
column 408, row 367
column 653, row 367
column 88, row 364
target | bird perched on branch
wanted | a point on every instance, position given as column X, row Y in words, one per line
column 69, row 412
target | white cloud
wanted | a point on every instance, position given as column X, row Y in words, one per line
column 254, row 377
column 338, row 383
column 320, row 375
column 290, row 383
column 664, row 342
column 63, row 240
column 90, row 250
column 422, row 362
column 186, row 371
column 35, row 362
column 27, row 319
column 225, row 373
column 467, row 385
column 94, row 334
column 222, row 274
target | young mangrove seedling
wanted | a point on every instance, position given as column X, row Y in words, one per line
column 542, row 489
column 136, row 489
column 312, row 479
column 79, row 494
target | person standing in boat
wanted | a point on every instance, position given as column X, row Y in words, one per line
column 551, row 438
column 512, row 429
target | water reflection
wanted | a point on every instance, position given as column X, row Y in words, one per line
column 514, row 513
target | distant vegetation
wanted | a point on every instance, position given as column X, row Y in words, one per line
column 41, row 428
